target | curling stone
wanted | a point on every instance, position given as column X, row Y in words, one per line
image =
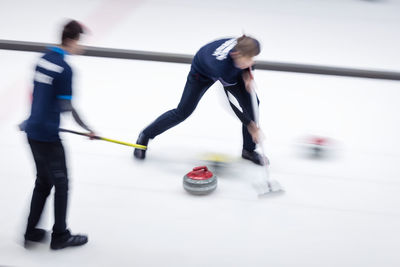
column 217, row 162
column 318, row 146
column 200, row 181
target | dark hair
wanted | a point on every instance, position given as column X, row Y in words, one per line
column 72, row 30
column 247, row 46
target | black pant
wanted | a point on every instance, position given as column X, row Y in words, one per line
column 51, row 171
column 196, row 86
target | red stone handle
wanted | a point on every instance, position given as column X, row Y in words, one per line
column 200, row 168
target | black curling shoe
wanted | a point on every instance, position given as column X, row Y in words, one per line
column 142, row 140
column 67, row 240
column 35, row 235
column 254, row 157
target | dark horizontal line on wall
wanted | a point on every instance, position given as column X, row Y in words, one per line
column 187, row 59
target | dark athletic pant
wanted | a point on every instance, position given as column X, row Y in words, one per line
column 51, row 171
column 196, row 86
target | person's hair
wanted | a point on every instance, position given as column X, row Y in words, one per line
column 247, row 46
column 72, row 30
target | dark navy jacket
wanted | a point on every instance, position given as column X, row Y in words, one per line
column 52, row 81
column 213, row 61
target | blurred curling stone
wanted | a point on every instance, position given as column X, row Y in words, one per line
column 317, row 147
column 200, row 181
column 216, row 162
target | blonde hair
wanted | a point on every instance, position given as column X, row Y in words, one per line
column 247, row 46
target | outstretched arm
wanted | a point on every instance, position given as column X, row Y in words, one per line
column 244, row 117
column 66, row 106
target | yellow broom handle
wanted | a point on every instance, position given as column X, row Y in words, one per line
column 105, row 139
column 123, row 143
